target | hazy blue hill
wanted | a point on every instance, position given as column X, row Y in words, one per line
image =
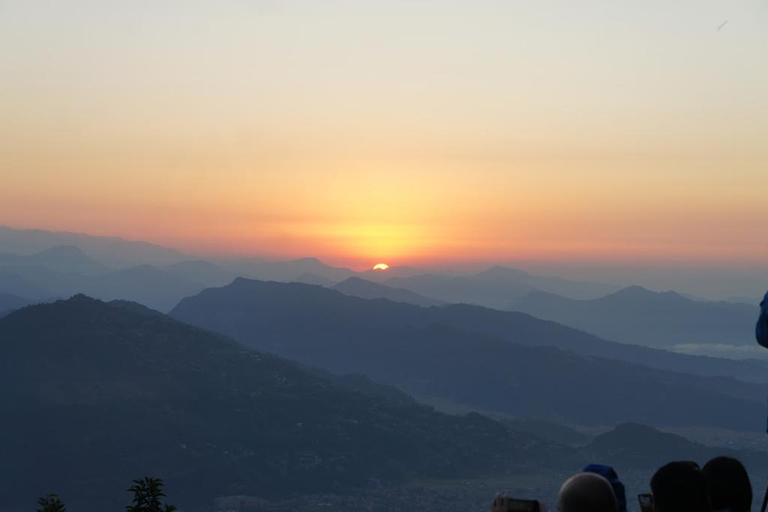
column 98, row 394
column 461, row 289
column 201, row 271
column 147, row 284
column 287, row 271
column 404, row 345
column 10, row 303
column 111, row 251
column 64, row 258
column 495, row 287
column 363, row 289
column 14, row 284
column 518, row 328
column 553, row 432
column 392, row 272
column 575, row 289
column 640, row 316
column 310, row 278
column 631, row 445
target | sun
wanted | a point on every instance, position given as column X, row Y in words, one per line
column 381, row 266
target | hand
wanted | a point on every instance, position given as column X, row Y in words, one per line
column 501, row 504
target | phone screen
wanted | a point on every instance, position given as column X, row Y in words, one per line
column 646, row 502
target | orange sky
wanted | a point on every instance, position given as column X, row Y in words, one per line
column 498, row 132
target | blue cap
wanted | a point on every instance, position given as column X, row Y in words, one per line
column 610, row 474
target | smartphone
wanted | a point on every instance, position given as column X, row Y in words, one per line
column 646, row 502
column 523, row 506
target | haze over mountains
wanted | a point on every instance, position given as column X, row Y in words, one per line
column 496, row 287
column 96, row 394
column 357, row 287
column 99, row 393
column 413, row 349
column 163, row 396
column 111, row 251
column 639, row 316
column 111, row 268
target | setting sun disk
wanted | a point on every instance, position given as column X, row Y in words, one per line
column 380, row 266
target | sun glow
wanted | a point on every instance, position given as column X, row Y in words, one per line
column 381, row 266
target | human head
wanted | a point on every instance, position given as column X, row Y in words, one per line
column 680, row 487
column 610, row 474
column 729, row 486
column 587, row 492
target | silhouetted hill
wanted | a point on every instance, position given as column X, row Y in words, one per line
column 112, row 251
column 407, row 346
column 363, row 289
column 639, row 316
column 631, row 445
column 495, row 287
column 97, row 394
column 135, row 307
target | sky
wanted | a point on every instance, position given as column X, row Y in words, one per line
column 408, row 132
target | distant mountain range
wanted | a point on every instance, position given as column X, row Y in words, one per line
column 150, row 285
column 507, row 325
column 96, row 394
column 426, row 352
column 288, row 271
column 643, row 317
column 65, row 259
column 111, row 268
column 495, row 287
column 357, row 287
column 112, row 251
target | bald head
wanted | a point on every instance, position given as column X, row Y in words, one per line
column 587, row 492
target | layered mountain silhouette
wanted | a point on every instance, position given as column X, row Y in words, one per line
column 411, row 348
column 96, row 394
column 643, row 317
column 288, row 271
column 150, row 285
column 113, row 251
column 201, row 271
column 495, row 287
column 514, row 326
column 358, row 287
column 64, row 258
column 636, row 446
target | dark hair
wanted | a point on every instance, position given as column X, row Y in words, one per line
column 680, row 487
column 729, row 485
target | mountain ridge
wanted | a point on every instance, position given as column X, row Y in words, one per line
column 209, row 415
column 412, row 348
column 639, row 316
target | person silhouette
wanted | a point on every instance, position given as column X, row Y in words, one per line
column 761, row 330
